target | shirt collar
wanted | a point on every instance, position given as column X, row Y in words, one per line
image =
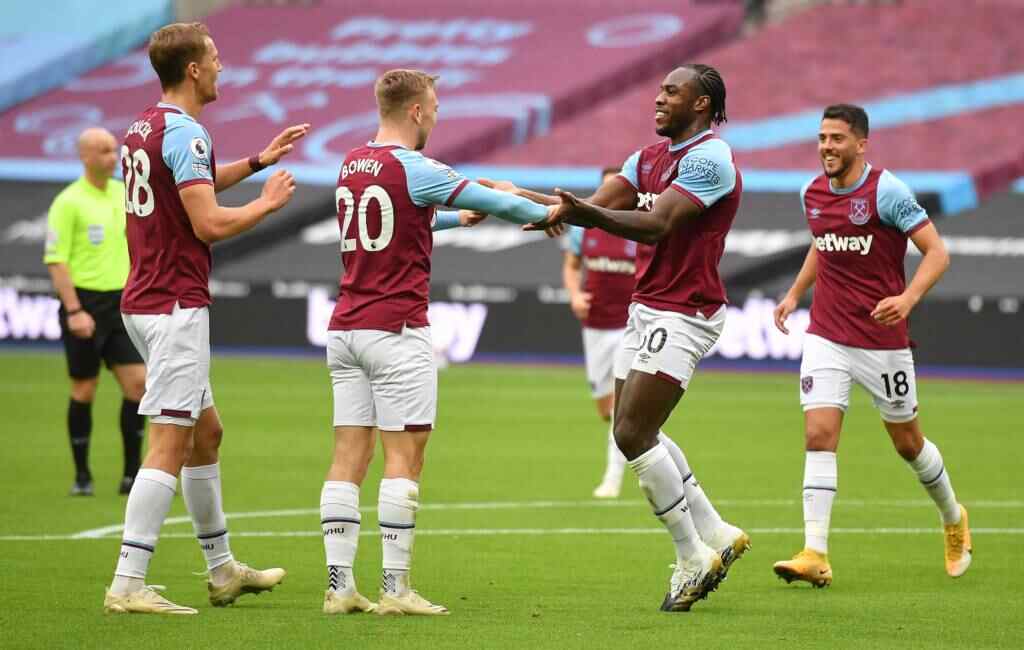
column 375, row 145
column 686, row 143
column 172, row 106
column 856, row 186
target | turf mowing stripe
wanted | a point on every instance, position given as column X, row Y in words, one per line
column 493, row 532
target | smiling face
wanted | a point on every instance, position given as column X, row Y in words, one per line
column 679, row 103
column 839, row 147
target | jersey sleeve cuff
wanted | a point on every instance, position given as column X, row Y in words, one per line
column 194, row 181
column 690, row 195
column 455, row 193
column 919, row 225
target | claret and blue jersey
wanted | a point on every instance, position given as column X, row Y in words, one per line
column 680, row 272
column 860, row 236
column 386, row 198
column 164, row 151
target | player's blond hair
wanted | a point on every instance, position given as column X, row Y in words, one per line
column 395, row 89
column 173, row 47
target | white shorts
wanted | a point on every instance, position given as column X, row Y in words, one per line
column 666, row 343
column 828, row 368
column 383, row 379
column 599, row 349
column 176, row 350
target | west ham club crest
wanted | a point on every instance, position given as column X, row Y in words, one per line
column 806, row 384
column 859, row 212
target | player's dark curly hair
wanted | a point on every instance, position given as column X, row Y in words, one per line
column 711, row 83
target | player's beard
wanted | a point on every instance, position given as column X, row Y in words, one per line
column 676, row 124
column 844, row 166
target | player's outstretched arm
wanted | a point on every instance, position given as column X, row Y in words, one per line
column 615, row 193
column 446, row 220
column 504, row 205
column 804, row 280
column 670, row 210
column 213, row 223
column 231, row 174
column 894, row 309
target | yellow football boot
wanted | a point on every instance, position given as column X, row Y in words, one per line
column 958, row 546
column 807, row 565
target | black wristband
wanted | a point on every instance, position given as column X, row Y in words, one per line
column 254, row 163
column 75, row 311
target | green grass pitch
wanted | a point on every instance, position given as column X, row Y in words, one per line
column 508, row 537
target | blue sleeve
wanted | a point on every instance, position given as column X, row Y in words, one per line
column 629, row 170
column 896, row 204
column 187, row 150
column 574, row 241
column 706, row 172
column 430, row 182
column 503, row 205
column 445, row 220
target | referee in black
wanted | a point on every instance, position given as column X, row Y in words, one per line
column 87, row 256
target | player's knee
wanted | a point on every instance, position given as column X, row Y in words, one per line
column 206, row 445
column 908, row 447
column 135, row 390
column 908, row 451
column 632, row 437
column 83, row 390
column 169, row 453
column 819, row 437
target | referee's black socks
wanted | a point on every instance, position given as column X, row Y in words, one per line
column 132, row 431
column 79, row 430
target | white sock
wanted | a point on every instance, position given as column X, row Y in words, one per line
column 661, row 482
column 705, row 517
column 340, row 520
column 148, row 504
column 932, row 473
column 820, row 484
column 615, row 465
column 396, row 512
column 200, row 487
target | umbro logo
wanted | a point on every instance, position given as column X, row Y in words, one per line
column 815, row 213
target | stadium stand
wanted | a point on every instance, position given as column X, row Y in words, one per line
column 45, row 45
column 933, row 114
column 932, row 111
column 500, row 79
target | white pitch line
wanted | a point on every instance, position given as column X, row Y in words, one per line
column 530, row 532
column 106, row 531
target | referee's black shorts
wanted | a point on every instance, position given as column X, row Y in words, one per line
column 109, row 343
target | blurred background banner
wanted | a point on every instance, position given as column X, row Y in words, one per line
column 500, row 83
column 546, row 94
